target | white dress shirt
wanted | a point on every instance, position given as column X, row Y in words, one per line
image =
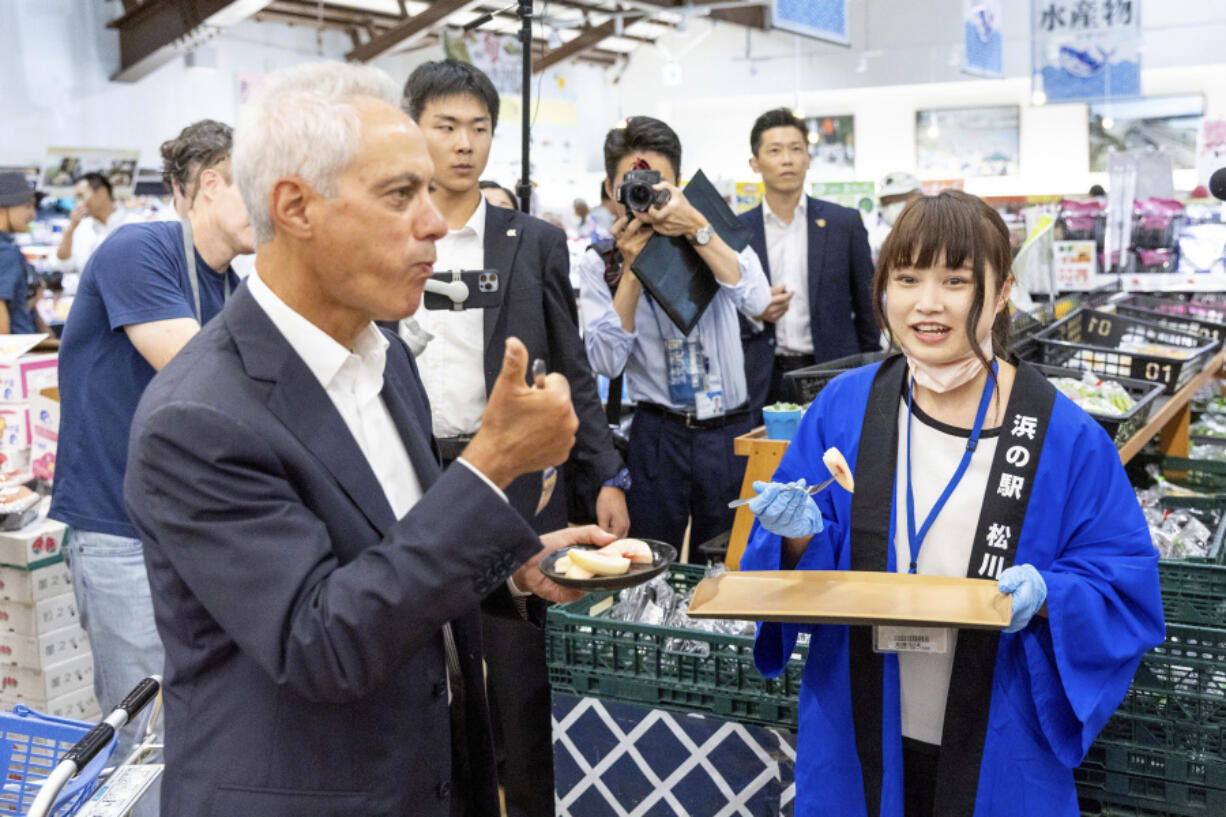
column 353, row 382
column 90, row 232
column 787, row 248
column 452, row 365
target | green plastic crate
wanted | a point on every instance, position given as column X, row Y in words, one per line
column 1160, row 733
column 599, row 656
column 1183, row 679
column 1159, row 764
column 1099, row 801
column 1207, row 476
column 1193, row 592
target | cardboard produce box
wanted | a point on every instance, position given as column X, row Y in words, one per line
column 32, row 586
column 43, row 685
column 41, row 543
column 79, row 705
column 43, row 650
column 46, row 616
column 852, row 597
column 24, row 373
column 44, row 433
column 15, row 431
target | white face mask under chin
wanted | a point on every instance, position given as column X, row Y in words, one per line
column 943, row 377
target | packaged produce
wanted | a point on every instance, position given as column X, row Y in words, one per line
column 1210, row 425
column 656, row 602
column 1094, row 395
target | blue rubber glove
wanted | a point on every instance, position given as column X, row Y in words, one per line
column 785, row 511
column 1029, row 591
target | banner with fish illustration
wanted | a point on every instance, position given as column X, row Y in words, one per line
column 982, row 51
column 1085, row 50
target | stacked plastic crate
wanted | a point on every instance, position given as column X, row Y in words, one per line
column 1163, row 754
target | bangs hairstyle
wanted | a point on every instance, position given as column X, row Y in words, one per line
column 970, row 234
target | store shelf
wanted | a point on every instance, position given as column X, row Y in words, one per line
column 1172, row 416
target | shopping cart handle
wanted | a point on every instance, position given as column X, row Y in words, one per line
column 141, row 695
column 95, row 740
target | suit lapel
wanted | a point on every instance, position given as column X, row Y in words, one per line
column 818, row 230
column 411, row 418
column 501, row 245
column 302, row 405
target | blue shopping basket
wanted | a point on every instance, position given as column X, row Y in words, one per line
column 31, row 744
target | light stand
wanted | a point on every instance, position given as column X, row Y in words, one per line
column 524, row 10
column 524, row 188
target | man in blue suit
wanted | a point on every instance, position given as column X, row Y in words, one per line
column 316, row 577
column 817, row 258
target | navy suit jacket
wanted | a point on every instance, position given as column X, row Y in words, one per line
column 841, row 319
column 538, row 307
column 305, row 669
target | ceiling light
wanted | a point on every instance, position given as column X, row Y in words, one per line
column 1108, row 123
column 1038, row 98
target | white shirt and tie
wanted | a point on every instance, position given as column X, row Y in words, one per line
column 787, row 248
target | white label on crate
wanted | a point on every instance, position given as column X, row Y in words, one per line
column 116, row 796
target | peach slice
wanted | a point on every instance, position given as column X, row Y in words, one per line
column 636, row 550
column 837, row 463
column 575, row 572
column 602, row 564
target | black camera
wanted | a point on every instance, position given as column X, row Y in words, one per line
column 637, row 191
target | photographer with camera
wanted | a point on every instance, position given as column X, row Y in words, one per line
column 689, row 390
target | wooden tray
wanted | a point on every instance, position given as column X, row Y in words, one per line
column 852, row 597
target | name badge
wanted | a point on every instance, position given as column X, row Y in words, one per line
column 931, row 640
column 708, row 404
column 686, row 369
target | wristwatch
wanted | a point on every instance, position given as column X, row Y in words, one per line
column 703, row 236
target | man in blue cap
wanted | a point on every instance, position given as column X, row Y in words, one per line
column 16, row 213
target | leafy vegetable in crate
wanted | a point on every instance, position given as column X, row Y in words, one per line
column 1094, row 395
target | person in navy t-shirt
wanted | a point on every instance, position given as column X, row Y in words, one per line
column 135, row 308
column 16, row 213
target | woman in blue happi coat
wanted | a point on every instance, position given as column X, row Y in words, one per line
column 965, row 465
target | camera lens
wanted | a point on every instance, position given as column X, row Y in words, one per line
column 639, row 196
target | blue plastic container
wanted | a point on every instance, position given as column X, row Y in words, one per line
column 31, row 744
column 781, row 425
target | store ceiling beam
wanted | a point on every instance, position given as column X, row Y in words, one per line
column 510, row 15
column 436, row 13
column 155, row 32
column 588, row 38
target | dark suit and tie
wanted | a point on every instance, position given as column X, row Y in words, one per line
column 839, row 276
column 538, row 307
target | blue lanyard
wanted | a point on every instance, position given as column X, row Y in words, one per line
column 917, row 539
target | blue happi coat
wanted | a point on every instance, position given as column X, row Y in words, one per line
column 1023, row 708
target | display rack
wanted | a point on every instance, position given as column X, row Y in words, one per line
column 1172, row 416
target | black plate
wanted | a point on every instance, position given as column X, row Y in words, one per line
column 664, row 555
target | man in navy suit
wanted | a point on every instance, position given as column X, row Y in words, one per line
column 316, row 577
column 817, row 258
